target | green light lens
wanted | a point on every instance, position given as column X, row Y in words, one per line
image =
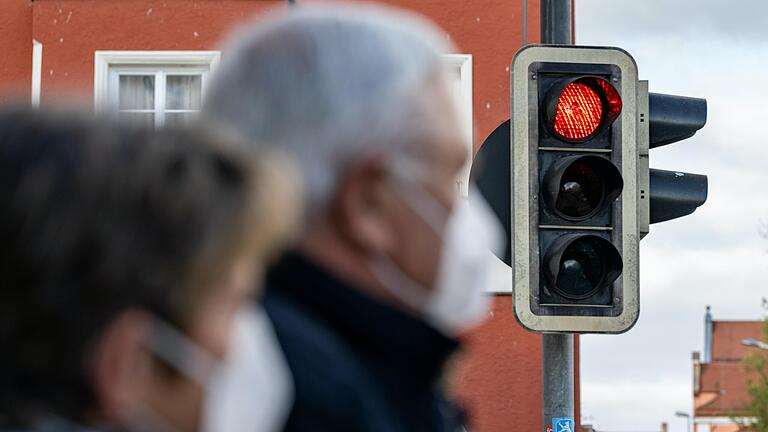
column 581, row 269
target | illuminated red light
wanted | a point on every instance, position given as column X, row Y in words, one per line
column 579, row 111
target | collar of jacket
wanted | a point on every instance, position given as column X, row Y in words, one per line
column 381, row 333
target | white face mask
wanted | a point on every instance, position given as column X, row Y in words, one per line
column 251, row 390
column 470, row 235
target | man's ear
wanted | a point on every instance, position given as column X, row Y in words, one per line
column 120, row 364
column 361, row 207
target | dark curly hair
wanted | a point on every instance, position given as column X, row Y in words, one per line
column 95, row 219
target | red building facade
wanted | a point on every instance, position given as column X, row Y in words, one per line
column 81, row 46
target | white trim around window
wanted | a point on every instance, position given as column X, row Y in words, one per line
column 37, row 67
column 722, row 420
column 462, row 64
column 107, row 62
column 500, row 274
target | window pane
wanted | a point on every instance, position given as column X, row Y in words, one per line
column 138, row 119
column 179, row 118
column 137, row 91
column 183, row 91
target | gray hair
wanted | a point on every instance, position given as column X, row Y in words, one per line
column 330, row 85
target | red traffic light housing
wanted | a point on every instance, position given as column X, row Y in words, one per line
column 575, row 185
column 574, row 236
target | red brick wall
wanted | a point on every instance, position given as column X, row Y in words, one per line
column 72, row 30
column 500, row 378
column 16, row 43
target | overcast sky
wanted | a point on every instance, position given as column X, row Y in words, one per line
column 717, row 50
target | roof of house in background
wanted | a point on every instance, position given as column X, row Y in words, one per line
column 723, row 390
column 722, row 383
column 727, row 337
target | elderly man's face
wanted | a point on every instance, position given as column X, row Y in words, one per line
column 376, row 209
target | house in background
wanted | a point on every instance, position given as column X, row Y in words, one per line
column 720, row 378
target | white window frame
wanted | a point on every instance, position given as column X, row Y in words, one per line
column 109, row 65
column 500, row 274
column 160, row 75
column 463, row 62
column 37, row 74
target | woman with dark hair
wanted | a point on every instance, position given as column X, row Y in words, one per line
column 127, row 271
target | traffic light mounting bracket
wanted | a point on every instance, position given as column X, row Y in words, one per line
column 643, row 167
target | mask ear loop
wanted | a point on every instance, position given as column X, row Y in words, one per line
column 178, row 351
column 142, row 419
column 399, row 284
column 404, row 172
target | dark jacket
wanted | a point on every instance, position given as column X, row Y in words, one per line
column 358, row 364
column 55, row 424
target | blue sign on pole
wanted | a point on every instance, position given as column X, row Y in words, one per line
column 563, row 424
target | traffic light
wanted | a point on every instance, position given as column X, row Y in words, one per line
column 581, row 194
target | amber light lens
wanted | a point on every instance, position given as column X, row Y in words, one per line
column 581, row 191
column 579, row 111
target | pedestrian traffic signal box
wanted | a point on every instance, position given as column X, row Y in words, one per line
column 582, row 192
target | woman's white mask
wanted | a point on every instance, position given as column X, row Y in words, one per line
column 250, row 390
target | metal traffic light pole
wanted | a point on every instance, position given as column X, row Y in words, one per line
column 557, row 381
